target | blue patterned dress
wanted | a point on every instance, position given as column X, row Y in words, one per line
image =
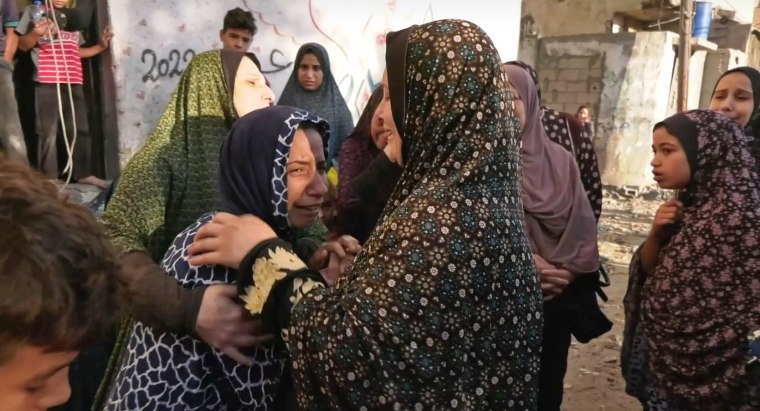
column 166, row 371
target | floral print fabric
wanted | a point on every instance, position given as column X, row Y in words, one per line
column 701, row 301
column 442, row 308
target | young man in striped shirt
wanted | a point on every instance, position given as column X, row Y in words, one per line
column 57, row 53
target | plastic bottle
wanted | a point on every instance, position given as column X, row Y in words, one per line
column 37, row 11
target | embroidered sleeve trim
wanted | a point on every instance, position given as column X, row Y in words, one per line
column 266, row 271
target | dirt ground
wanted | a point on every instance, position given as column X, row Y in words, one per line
column 593, row 380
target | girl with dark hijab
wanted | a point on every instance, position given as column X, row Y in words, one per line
column 257, row 176
column 442, row 307
column 562, row 230
column 700, row 301
column 367, row 177
column 312, row 87
column 737, row 97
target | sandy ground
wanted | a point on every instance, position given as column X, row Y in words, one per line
column 593, row 380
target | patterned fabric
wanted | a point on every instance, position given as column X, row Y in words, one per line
column 253, row 163
column 442, row 308
column 167, row 371
column 357, row 152
column 326, row 101
column 365, row 186
column 565, row 130
column 171, row 181
column 701, row 301
column 633, row 357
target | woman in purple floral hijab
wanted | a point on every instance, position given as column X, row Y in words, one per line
column 700, row 302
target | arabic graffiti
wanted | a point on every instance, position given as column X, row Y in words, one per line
column 278, row 67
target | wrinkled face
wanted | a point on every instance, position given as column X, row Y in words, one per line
column 310, row 74
column 251, row 91
column 307, row 181
column 733, row 98
column 377, row 130
column 670, row 165
column 59, row 4
column 583, row 115
column 236, row 39
column 33, row 379
column 519, row 106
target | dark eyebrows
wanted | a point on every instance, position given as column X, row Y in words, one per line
column 666, row 144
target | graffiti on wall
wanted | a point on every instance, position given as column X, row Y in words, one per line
column 150, row 56
column 169, row 66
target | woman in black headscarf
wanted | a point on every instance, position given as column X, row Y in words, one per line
column 312, row 87
column 271, row 166
column 737, row 96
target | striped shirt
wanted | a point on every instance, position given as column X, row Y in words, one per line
column 60, row 57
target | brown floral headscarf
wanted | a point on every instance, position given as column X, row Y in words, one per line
column 442, row 308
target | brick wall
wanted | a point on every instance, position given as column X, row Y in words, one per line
column 625, row 79
column 569, row 82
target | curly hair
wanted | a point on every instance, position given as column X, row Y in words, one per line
column 58, row 272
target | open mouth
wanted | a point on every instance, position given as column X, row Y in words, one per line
column 309, row 209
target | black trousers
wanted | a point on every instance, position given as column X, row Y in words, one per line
column 554, row 350
column 48, row 120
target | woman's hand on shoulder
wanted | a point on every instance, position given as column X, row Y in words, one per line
column 227, row 239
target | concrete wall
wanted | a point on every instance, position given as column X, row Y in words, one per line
column 571, row 17
column 716, row 63
column 625, row 79
column 155, row 40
